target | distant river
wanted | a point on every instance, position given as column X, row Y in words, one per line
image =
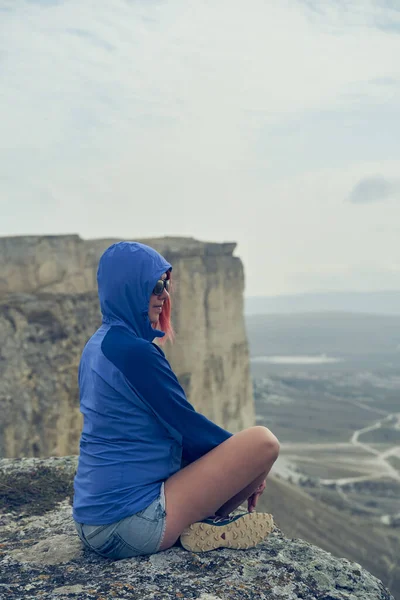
column 303, row 359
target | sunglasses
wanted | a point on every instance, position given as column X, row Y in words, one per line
column 160, row 286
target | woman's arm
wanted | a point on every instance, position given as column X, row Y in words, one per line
column 149, row 374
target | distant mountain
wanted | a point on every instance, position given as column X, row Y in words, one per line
column 381, row 303
column 333, row 333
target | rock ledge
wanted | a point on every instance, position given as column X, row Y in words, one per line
column 41, row 556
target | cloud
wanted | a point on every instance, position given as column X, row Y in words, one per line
column 361, row 276
column 385, row 81
column 144, row 118
column 382, row 15
column 93, row 39
column 373, row 189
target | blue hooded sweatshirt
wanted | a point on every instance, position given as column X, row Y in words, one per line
column 137, row 422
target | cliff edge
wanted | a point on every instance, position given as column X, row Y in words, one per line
column 42, row 557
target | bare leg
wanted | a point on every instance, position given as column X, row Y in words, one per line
column 237, row 500
column 221, row 479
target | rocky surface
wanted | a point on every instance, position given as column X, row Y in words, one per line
column 41, row 556
column 49, row 308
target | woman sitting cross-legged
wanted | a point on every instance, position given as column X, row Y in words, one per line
column 133, row 495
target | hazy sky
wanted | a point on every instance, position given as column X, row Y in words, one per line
column 275, row 124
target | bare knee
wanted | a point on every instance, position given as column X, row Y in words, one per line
column 267, row 443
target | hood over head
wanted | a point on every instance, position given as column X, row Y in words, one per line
column 127, row 274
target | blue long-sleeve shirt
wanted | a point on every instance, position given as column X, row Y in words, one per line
column 138, row 424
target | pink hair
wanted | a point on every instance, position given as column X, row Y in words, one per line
column 164, row 323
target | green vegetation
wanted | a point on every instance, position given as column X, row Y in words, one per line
column 317, row 406
column 386, row 435
column 395, row 462
column 316, row 410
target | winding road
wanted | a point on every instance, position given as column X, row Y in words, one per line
column 379, row 467
column 382, row 467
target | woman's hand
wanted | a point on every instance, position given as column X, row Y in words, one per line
column 253, row 499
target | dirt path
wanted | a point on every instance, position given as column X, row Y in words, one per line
column 378, row 468
column 381, row 466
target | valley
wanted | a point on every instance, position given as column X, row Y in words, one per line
column 337, row 480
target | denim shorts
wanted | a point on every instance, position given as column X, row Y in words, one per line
column 141, row 533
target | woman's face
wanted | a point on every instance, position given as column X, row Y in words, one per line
column 156, row 303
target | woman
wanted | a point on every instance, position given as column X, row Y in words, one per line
column 132, row 495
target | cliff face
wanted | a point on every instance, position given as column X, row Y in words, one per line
column 49, row 308
column 42, row 557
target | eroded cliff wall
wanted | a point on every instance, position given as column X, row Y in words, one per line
column 49, row 308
